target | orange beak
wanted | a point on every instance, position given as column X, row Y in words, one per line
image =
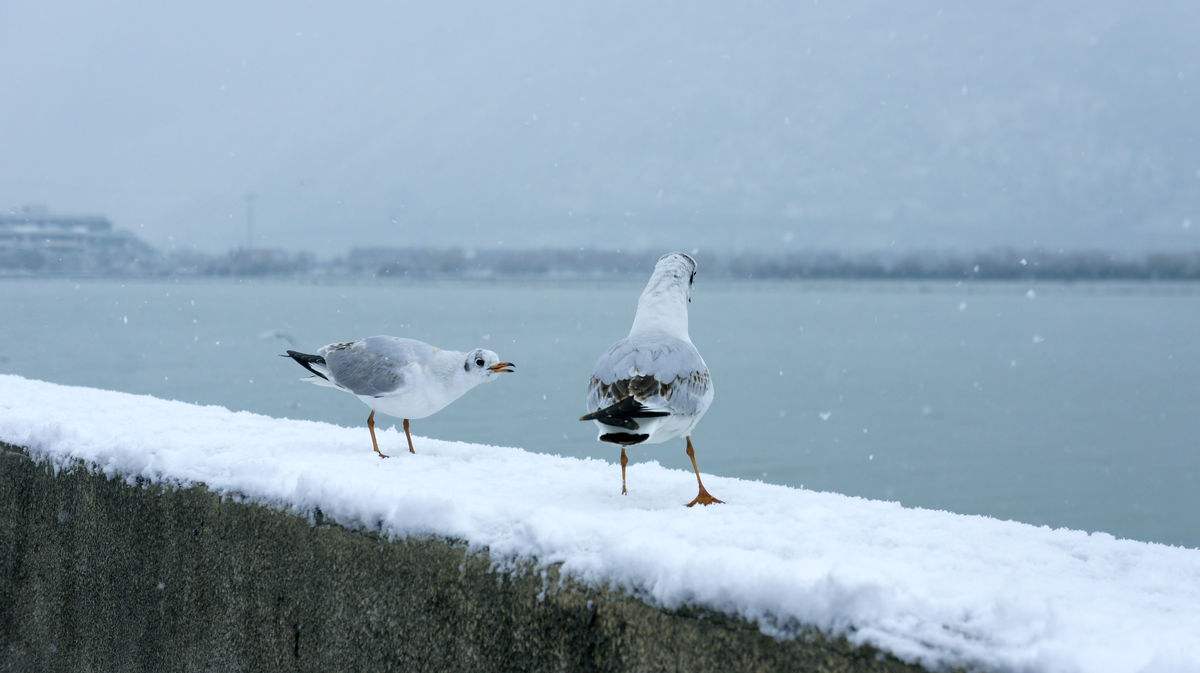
column 499, row 367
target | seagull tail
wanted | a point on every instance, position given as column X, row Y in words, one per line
column 624, row 414
column 313, row 363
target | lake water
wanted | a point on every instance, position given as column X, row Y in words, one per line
column 1066, row 405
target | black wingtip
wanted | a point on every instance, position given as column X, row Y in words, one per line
column 623, row 438
column 623, row 413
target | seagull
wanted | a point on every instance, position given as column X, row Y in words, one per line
column 653, row 385
column 404, row 378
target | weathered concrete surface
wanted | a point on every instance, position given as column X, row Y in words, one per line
column 99, row 575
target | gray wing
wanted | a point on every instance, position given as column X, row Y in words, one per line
column 662, row 372
column 373, row 366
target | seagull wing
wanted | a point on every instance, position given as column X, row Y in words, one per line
column 661, row 372
column 375, row 366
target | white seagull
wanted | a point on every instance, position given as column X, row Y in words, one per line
column 653, row 385
column 404, row 378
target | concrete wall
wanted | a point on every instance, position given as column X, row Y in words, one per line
column 99, row 575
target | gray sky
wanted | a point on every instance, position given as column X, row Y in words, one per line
column 707, row 125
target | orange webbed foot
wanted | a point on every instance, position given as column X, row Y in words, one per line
column 704, row 498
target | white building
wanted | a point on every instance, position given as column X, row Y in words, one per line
column 34, row 241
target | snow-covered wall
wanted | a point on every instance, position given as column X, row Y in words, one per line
column 930, row 587
column 100, row 574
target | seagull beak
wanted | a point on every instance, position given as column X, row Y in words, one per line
column 502, row 367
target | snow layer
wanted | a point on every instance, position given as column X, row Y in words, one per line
column 929, row 586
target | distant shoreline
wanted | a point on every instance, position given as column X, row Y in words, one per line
column 563, row 264
column 1184, row 286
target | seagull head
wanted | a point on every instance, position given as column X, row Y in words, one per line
column 674, row 270
column 486, row 365
column 663, row 306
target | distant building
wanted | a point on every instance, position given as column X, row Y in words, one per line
column 35, row 242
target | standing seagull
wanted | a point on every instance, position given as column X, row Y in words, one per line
column 653, row 385
column 404, row 378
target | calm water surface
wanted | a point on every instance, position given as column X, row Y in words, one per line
column 1068, row 406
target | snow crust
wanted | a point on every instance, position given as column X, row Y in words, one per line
column 928, row 586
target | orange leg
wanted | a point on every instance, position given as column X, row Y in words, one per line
column 624, row 462
column 371, row 427
column 703, row 497
column 409, row 437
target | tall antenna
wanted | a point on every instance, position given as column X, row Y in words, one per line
column 250, row 197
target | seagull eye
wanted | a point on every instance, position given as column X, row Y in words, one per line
column 479, row 362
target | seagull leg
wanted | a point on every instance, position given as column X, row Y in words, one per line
column 409, row 436
column 703, row 497
column 624, row 462
column 371, row 427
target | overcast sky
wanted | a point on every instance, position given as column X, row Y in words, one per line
column 710, row 125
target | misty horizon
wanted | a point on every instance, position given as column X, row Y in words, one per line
column 37, row 243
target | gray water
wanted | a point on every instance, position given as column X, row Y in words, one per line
column 1069, row 406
